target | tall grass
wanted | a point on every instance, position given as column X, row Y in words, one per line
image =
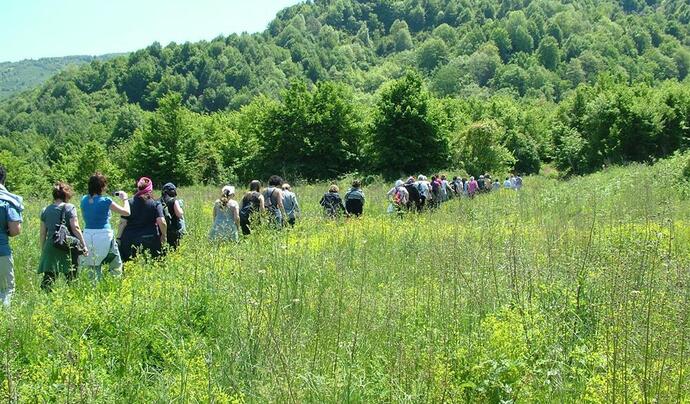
column 565, row 292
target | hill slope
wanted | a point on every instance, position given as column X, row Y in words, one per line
column 16, row 77
column 516, row 62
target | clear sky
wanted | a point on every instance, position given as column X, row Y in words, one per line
column 31, row 29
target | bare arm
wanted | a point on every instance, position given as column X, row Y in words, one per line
column 178, row 209
column 122, row 210
column 163, row 228
column 76, row 230
column 43, row 233
column 121, row 227
column 280, row 204
column 236, row 215
column 262, row 205
column 14, row 228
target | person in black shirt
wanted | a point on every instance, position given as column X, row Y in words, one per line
column 144, row 230
column 252, row 202
column 174, row 215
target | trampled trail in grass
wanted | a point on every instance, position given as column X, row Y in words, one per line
column 566, row 291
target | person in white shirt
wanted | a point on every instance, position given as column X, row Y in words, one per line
column 290, row 204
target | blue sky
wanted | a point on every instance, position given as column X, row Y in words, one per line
column 31, row 29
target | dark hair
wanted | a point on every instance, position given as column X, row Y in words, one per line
column 224, row 199
column 255, row 186
column 62, row 191
column 275, row 181
column 97, row 184
column 356, row 184
column 3, row 174
column 169, row 190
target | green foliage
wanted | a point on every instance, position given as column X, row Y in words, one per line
column 23, row 177
column 91, row 157
column 408, row 135
column 549, row 53
column 162, row 149
column 431, row 54
column 536, row 54
column 611, row 124
column 478, row 150
column 312, row 134
column 16, row 77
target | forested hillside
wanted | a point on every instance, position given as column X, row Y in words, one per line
column 386, row 87
column 19, row 76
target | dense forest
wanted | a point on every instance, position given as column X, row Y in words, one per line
column 16, row 77
column 371, row 86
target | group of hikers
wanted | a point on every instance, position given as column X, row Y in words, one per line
column 418, row 194
column 153, row 225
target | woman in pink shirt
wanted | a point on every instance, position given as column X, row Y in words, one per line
column 472, row 187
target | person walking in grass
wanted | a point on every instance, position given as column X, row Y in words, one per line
column 507, row 184
column 436, row 194
column 55, row 261
column 11, row 207
column 399, row 198
column 251, row 208
column 145, row 229
column 273, row 201
column 96, row 210
column 472, row 187
column 332, row 203
column 354, row 199
column 226, row 216
column 292, row 210
column 446, row 189
column 174, row 215
column 424, row 188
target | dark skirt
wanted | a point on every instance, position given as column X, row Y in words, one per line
column 354, row 207
column 131, row 246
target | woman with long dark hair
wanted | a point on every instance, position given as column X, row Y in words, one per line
column 252, row 203
column 174, row 215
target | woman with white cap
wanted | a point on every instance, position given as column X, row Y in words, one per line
column 226, row 216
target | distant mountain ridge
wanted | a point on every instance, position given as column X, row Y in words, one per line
column 16, row 77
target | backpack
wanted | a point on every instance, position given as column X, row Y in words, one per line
column 268, row 200
column 171, row 221
column 330, row 203
column 421, row 189
column 246, row 211
column 247, row 206
column 413, row 191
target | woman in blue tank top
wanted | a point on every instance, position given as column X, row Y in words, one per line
column 98, row 234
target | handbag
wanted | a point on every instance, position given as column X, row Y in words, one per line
column 63, row 238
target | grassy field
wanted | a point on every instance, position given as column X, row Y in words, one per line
column 566, row 292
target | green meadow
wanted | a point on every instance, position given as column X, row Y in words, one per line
column 568, row 291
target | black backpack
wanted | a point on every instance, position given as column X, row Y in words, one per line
column 413, row 191
column 246, row 211
column 331, row 203
column 171, row 220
